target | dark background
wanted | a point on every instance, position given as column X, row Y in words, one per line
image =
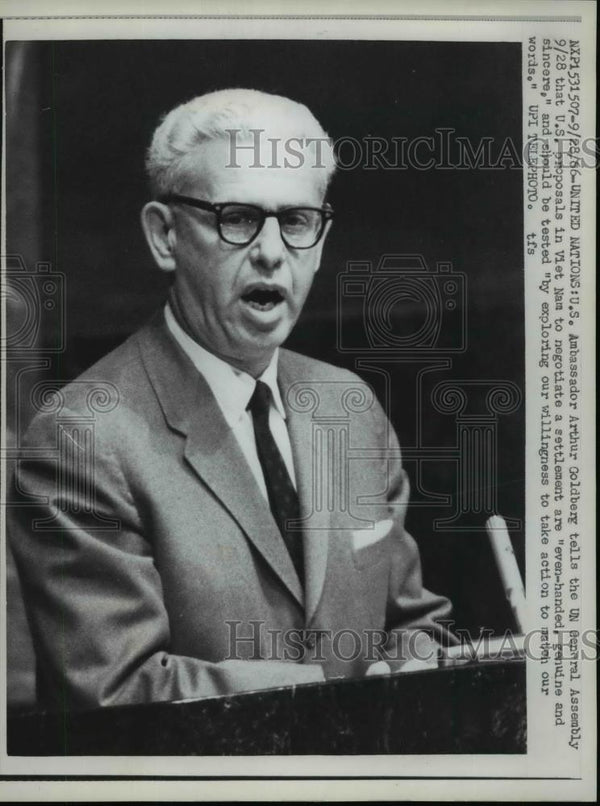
column 81, row 114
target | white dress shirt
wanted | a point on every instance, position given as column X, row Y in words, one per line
column 232, row 389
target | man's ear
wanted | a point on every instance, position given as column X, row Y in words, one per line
column 157, row 223
column 321, row 243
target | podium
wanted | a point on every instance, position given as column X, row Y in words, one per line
column 476, row 708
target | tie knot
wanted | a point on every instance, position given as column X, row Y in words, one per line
column 260, row 401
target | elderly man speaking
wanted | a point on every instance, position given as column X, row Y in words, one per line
column 210, row 544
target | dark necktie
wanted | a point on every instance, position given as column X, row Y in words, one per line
column 282, row 495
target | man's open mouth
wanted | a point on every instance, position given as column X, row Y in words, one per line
column 263, row 299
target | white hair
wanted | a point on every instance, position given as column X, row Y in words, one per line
column 215, row 114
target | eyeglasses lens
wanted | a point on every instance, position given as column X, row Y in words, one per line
column 300, row 227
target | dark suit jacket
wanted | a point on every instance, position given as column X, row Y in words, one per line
column 148, row 553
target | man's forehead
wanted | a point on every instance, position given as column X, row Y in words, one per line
column 251, row 164
column 273, row 148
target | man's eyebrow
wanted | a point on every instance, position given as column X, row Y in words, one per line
column 278, row 207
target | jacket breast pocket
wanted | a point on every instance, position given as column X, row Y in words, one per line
column 371, row 547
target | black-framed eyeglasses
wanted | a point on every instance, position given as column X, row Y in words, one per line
column 239, row 224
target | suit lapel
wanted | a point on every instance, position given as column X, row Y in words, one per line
column 211, row 447
column 317, row 525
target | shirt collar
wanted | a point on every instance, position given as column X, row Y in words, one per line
column 231, row 387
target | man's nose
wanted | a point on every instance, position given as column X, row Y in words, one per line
column 268, row 250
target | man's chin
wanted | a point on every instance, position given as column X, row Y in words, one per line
column 263, row 342
column 258, row 345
